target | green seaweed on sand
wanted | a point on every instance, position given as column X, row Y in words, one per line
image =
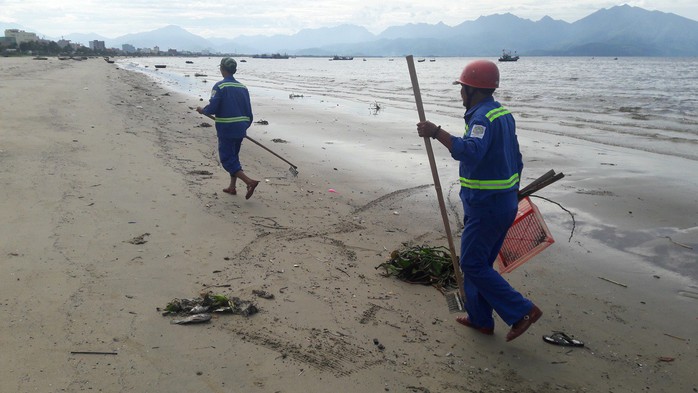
column 421, row 265
column 210, row 303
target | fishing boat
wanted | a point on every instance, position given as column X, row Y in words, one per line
column 506, row 56
column 189, row 62
column 342, row 58
column 199, row 74
column 421, row 60
column 160, row 65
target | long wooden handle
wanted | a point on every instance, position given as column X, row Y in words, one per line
column 435, row 175
column 260, row 145
column 269, row 150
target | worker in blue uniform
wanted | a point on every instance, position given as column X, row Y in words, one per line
column 230, row 103
column 490, row 169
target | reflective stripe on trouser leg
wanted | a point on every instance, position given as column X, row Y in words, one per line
column 485, row 289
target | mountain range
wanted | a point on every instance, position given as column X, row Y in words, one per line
column 618, row 31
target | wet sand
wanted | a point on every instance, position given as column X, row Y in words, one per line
column 93, row 156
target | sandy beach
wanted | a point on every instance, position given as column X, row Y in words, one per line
column 93, row 157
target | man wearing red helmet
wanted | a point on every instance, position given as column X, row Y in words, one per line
column 490, row 169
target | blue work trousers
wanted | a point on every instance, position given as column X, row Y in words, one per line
column 485, row 288
column 229, row 151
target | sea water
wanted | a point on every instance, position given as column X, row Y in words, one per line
column 647, row 104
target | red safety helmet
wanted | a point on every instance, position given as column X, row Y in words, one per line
column 482, row 74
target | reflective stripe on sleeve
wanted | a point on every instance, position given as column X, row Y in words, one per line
column 231, row 84
column 495, row 113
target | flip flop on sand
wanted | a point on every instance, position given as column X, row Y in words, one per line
column 230, row 191
column 562, row 339
column 250, row 189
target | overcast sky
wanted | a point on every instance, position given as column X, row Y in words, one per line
column 232, row 18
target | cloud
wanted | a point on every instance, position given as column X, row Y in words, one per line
column 112, row 18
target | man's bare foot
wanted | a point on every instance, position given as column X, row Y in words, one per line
column 250, row 189
column 230, row 190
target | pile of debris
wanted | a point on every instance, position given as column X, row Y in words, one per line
column 421, row 265
column 200, row 309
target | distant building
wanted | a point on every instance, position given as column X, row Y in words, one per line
column 7, row 41
column 97, row 46
column 63, row 43
column 128, row 48
column 156, row 50
column 21, row 36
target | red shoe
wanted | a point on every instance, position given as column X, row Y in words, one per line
column 466, row 322
column 250, row 189
column 524, row 323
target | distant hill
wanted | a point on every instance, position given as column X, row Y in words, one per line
column 85, row 38
column 168, row 37
column 617, row 31
column 308, row 38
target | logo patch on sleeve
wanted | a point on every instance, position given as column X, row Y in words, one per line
column 478, row 131
column 213, row 93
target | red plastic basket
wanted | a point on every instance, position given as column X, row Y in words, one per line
column 527, row 237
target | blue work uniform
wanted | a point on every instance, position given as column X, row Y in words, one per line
column 490, row 169
column 230, row 103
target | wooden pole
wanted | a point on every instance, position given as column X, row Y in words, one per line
column 435, row 175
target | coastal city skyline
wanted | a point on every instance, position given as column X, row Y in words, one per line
column 214, row 19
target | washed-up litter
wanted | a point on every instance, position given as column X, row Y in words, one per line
column 279, row 140
column 262, row 122
column 205, row 125
column 198, row 310
column 201, row 173
column 378, row 344
column 263, row 294
column 679, row 244
column 196, row 318
column 614, row 282
column 421, row 265
column 139, row 239
column 92, row 353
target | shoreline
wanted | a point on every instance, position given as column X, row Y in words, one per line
column 115, row 156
